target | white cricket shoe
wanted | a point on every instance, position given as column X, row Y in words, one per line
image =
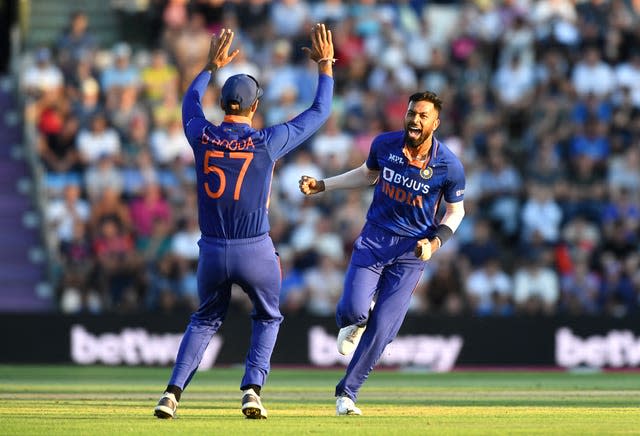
column 252, row 406
column 346, row 406
column 349, row 337
column 166, row 408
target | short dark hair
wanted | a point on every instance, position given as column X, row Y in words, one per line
column 427, row 96
column 233, row 108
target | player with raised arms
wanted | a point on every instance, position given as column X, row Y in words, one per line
column 234, row 166
column 412, row 171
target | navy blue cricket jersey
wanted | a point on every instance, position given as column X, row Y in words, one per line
column 408, row 193
column 234, row 162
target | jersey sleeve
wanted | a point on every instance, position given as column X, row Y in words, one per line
column 193, row 119
column 372, row 159
column 283, row 138
column 454, row 187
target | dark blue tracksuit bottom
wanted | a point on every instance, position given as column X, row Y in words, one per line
column 382, row 265
column 252, row 264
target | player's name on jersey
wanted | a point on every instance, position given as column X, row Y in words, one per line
column 229, row 144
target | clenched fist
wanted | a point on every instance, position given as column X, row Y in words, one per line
column 309, row 185
column 425, row 248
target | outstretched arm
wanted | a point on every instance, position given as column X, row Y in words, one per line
column 356, row 178
column 287, row 136
column 218, row 57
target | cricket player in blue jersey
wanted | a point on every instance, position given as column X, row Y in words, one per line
column 234, row 166
column 412, row 171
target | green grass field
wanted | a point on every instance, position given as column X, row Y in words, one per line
column 70, row 400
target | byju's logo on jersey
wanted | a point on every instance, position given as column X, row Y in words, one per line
column 402, row 188
column 405, row 181
column 394, row 158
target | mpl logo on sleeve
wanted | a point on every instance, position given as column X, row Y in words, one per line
column 394, row 158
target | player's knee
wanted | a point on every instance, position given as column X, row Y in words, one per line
column 348, row 313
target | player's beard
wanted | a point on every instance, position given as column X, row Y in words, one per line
column 414, row 142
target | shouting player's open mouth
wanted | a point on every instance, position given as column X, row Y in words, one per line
column 414, row 132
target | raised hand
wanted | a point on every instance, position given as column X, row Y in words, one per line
column 219, row 50
column 309, row 185
column 321, row 44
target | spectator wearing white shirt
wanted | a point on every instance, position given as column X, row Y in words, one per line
column 63, row 213
column 628, row 76
column 240, row 65
column 592, row 75
column 541, row 215
column 98, row 141
column 185, row 242
column 170, row 144
column 43, row 76
column 536, row 288
column 514, row 82
column 489, row 289
column 290, row 174
column 331, row 146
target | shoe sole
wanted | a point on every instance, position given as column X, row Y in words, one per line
column 253, row 411
column 163, row 412
column 349, row 413
column 347, row 347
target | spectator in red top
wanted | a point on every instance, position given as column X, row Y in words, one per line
column 149, row 207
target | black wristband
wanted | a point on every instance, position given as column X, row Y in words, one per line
column 444, row 233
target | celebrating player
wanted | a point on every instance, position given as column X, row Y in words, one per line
column 234, row 165
column 413, row 171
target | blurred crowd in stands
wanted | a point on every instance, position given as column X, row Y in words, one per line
column 541, row 102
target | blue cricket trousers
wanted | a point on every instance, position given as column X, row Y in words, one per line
column 382, row 265
column 252, row 264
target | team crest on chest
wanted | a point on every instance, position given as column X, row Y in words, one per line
column 426, row 173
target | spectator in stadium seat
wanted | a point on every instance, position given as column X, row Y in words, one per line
column 42, row 78
column 76, row 42
column 150, row 206
column 158, row 78
column 541, row 214
column 331, row 143
column 623, row 172
column 587, row 189
column 103, row 175
column 490, row 289
column 122, row 72
column 62, row 214
column 536, row 289
column 99, row 140
column 109, row 206
column 168, row 144
column 580, row 290
column 501, row 185
column 444, row 290
column 288, row 17
column 88, row 103
column 117, row 259
column 483, row 245
column 592, row 75
column 126, row 111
